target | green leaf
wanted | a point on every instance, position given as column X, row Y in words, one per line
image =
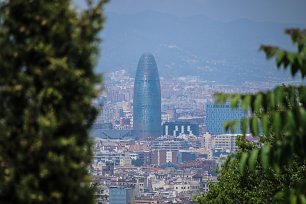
column 279, row 58
column 272, row 100
column 244, row 125
column 279, row 97
column 294, row 69
column 246, row 102
column 290, row 125
column 303, row 199
column 302, row 116
column 243, row 160
column 285, row 61
column 220, row 98
column 234, row 126
column 258, row 102
column 293, row 199
column 234, row 101
column 265, row 151
column 227, row 125
column 269, row 50
column 279, row 195
column 291, row 57
column 254, row 126
column 277, row 123
column 299, row 59
column 253, row 159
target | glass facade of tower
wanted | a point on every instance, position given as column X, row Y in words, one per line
column 121, row 195
column 147, row 99
column 218, row 114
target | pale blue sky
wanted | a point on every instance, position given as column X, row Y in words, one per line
column 284, row 11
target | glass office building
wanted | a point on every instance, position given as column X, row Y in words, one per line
column 218, row 114
column 121, row 195
column 147, row 99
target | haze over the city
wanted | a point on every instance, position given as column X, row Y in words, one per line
column 281, row 11
column 216, row 40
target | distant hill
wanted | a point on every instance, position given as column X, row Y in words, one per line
column 226, row 52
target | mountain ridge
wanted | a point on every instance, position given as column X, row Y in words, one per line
column 193, row 45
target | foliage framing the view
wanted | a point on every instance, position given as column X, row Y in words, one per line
column 257, row 186
column 47, row 84
column 281, row 116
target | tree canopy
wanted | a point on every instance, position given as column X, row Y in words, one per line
column 280, row 114
column 257, row 186
column 47, row 84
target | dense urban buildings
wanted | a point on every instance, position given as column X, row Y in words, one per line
column 173, row 166
column 147, row 99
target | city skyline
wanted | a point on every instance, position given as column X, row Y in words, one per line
column 152, row 101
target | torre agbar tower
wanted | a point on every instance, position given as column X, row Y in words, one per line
column 147, row 99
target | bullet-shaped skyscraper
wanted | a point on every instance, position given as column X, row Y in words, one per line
column 147, row 99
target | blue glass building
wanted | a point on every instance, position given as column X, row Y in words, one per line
column 218, row 114
column 121, row 195
column 147, row 99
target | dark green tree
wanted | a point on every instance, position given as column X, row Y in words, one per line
column 281, row 114
column 47, row 84
column 258, row 186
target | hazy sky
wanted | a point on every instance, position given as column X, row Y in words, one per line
column 285, row 11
